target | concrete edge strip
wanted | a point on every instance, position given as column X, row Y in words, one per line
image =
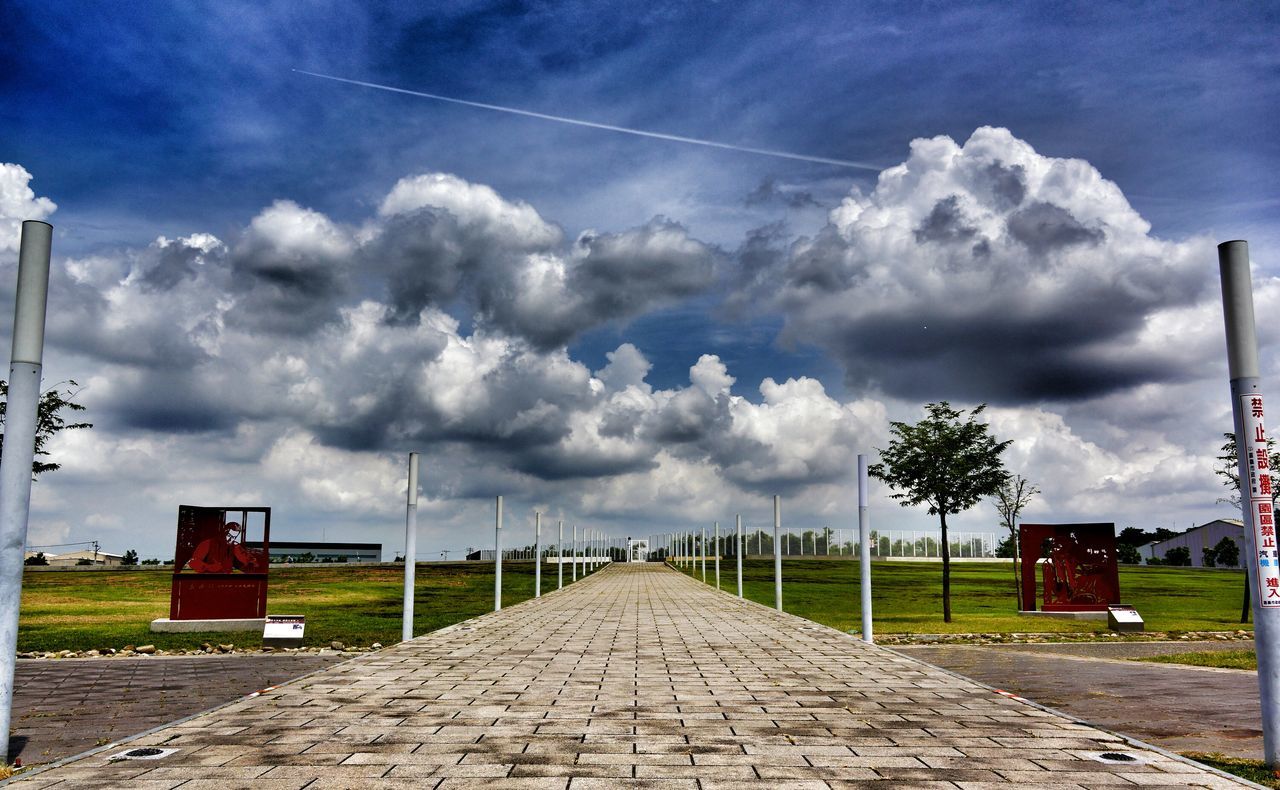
column 1129, row 739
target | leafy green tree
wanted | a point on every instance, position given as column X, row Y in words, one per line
column 1179, row 555
column 946, row 462
column 1227, row 553
column 1010, row 498
column 1228, row 469
column 36, row 559
column 130, row 558
column 84, row 561
column 49, row 420
column 1128, row 554
column 1004, row 549
column 1209, row 556
column 1132, row 536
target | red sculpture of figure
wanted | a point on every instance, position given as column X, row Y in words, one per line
column 224, row 553
column 1079, row 572
column 215, row 575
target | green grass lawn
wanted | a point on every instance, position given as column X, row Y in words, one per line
column 79, row 610
column 907, row 596
column 1253, row 770
column 1223, row 659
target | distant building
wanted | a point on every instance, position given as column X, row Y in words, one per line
column 1197, row 539
column 314, row 551
column 99, row 558
column 485, row 555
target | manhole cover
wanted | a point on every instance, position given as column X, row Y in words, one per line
column 1123, row 758
column 142, row 753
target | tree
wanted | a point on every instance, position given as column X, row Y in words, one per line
column 84, row 561
column 1209, row 556
column 130, row 558
column 946, row 462
column 1229, row 470
column 36, row 559
column 1179, row 555
column 1227, row 553
column 1004, row 549
column 1010, row 498
column 1133, row 536
column 1128, row 554
column 49, row 420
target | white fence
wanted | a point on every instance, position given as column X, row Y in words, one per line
column 796, row 542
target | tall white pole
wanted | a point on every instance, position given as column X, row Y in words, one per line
column 777, row 552
column 1261, row 554
column 537, row 554
column 864, row 542
column 704, row 555
column 739, row 553
column 717, row 555
column 560, row 557
column 25, row 362
column 497, row 557
column 573, row 556
column 410, row 548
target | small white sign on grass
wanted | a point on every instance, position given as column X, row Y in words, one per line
column 283, row 630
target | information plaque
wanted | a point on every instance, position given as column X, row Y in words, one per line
column 283, row 630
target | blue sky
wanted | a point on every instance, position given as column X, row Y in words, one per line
column 141, row 121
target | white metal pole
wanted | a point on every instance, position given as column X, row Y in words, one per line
column 704, row 555
column 410, row 548
column 739, row 553
column 777, row 553
column 864, row 538
column 717, row 555
column 497, row 557
column 537, row 554
column 560, row 557
column 1255, row 484
column 573, row 554
column 26, row 360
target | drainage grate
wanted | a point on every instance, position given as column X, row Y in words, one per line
column 144, row 753
column 1123, row 758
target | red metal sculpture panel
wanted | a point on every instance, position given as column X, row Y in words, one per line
column 215, row 575
column 1076, row 562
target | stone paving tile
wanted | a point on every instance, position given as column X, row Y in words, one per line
column 636, row 677
column 68, row 706
column 1177, row 707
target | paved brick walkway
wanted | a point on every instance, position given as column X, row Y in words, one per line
column 634, row 677
column 1180, row 708
column 68, row 706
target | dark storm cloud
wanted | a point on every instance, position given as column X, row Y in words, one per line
column 555, row 463
column 170, row 402
column 769, row 191
column 983, row 272
column 426, row 257
column 1044, row 227
column 1008, row 184
column 945, row 223
column 619, row 275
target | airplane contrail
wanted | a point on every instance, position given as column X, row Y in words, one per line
column 605, row 126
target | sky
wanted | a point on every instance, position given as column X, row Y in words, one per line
column 271, row 287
